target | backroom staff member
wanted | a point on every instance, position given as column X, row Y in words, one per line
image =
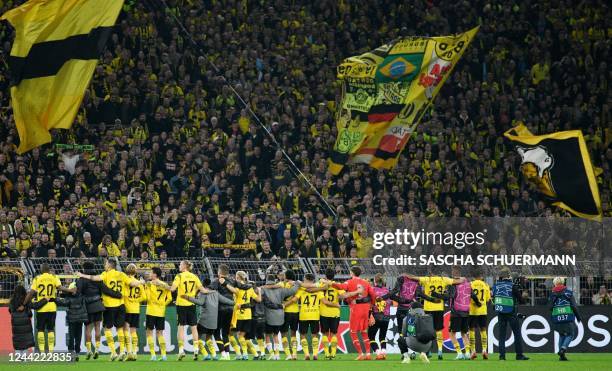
column 506, row 297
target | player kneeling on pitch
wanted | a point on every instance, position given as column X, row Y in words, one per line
column 417, row 334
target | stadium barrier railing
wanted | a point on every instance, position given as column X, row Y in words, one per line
column 257, row 270
column 536, row 286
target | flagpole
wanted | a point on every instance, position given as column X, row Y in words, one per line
column 295, row 170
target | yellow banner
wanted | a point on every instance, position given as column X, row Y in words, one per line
column 235, row 246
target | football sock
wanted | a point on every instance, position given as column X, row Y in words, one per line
column 334, row 345
column 40, row 336
column 196, row 346
column 243, row 344
column 162, row 344
column 286, row 348
column 180, row 346
column 121, row 339
column 151, row 343
column 315, row 344
column 234, row 344
column 51, row 341
column 294, row 345
column 97, row 345
column 134, row 342
column 88, row 346
column 251, row 348
column 304, row 343
column 108, row 334
column 220, row 345
column 356, row 342
column 202, row 347
column 373, row 345
column 383, row 346
column 456, row 344
column 366, row 341
column 439, row 340
column 262, row 346
column 483, row 340
column 472, row 339
column 211, row 347
column 326, row 344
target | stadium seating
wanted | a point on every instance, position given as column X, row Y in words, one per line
column 167, row 156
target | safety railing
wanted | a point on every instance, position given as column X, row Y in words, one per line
column 536, row 287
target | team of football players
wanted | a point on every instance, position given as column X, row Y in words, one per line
column 237, row 313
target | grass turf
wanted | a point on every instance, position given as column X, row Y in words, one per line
column 544, row 362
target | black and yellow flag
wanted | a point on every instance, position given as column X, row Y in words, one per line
column 560, row 166
column 56, row 49
column 386, row 92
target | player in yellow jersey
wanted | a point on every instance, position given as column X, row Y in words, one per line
column 133, row 296
column 114, row 313
column 478, row 314
column 434, row 286
column 290, row 325
column 157, row 300
column 45, row 286
column 186, row 284
column 244, row 315
column 310, row 314
column 330, row 316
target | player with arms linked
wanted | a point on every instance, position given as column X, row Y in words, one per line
column 45, row 286
column 158, row 299
column 114, row 314
column 478, row 314
column 186, row 284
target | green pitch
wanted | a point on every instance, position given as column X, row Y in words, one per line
column 543, row 362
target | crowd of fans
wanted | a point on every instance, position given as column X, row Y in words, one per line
column 179, row 167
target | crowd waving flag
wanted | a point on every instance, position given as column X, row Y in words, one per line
column 53, row 58
column 385, row 93
column 560, row 166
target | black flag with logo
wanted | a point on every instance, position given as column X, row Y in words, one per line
column 560, row 166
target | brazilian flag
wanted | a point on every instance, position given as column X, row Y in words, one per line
column 53, row 58
column 559, row 165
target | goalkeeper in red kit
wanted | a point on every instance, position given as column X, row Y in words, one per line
column 360, row 297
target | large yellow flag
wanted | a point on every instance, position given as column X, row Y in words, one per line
column 385, row 94
column 56, row 49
